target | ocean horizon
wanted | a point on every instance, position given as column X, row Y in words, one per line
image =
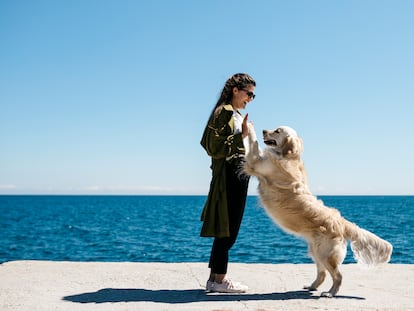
column 166, row 228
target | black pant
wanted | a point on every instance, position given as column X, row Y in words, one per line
column 236, row 185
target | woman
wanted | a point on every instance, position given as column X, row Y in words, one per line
column 224, row 208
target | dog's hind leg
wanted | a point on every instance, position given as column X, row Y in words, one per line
column 332, row 266
column 321, row 270
column 320, row 277
column 332, row 262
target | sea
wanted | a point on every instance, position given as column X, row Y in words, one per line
column 167, row 229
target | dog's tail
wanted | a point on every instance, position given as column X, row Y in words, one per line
column 368, row 248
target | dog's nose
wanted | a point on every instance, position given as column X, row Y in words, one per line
column 264, row 132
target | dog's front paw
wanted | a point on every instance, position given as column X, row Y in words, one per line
column 252, row 132
column 255, row 148
column 253, row 151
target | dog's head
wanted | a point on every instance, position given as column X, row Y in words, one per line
column 283, row 140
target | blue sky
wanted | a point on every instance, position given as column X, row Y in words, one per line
column 111, row 97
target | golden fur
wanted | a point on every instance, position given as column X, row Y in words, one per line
column 284, row 193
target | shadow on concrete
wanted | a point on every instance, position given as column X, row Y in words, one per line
column 184, row 296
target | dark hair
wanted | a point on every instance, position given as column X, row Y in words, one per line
column 239, row 80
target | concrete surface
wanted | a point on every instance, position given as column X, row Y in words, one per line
column 49, row 285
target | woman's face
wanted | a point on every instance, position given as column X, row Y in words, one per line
column 243, row 96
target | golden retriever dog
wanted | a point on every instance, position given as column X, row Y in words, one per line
column 285, row 195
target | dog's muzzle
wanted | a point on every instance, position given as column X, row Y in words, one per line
column 270, row 142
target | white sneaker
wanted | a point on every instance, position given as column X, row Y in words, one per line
column 227, row 286
column 209, row 286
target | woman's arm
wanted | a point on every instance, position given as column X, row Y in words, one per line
column 218, row 138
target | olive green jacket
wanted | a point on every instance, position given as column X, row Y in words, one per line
column 221, row 145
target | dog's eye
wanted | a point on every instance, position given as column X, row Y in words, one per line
column 277, row 131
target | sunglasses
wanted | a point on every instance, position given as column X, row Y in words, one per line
column 249, row 93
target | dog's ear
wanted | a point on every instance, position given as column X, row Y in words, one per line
column 292, row 146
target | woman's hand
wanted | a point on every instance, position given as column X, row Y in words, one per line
column 245, row 127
